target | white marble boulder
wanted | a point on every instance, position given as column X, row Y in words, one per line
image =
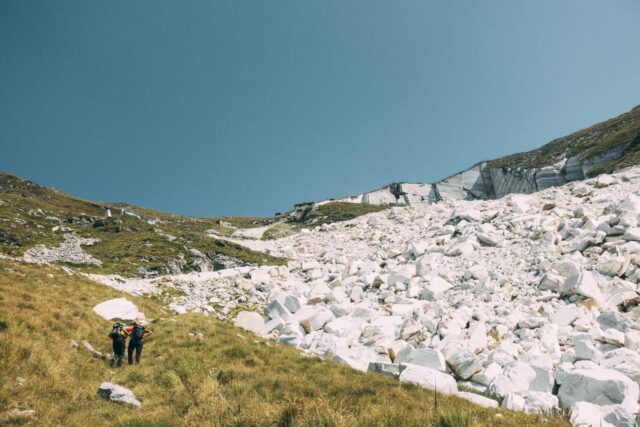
column 118, row 394
column 118, row 308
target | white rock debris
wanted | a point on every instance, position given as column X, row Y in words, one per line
column 533, row 298
column 69, row 251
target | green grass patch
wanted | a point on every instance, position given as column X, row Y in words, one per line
column 324, row 214
column 339, row 211
column 280, row 230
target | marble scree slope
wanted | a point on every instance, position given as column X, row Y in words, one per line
column 531, row 300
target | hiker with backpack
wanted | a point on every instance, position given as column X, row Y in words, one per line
column 138, row 333
column 118, row 335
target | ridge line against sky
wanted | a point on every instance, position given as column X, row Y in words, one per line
column 245, row 108
column 368, row 188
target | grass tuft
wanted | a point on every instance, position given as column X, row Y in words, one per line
column 456, row 419
column 142, row 422
column 339, row 211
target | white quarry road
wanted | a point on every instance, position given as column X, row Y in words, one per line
column 532, row 298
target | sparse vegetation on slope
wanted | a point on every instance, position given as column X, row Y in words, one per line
column 226, row 378
column 280, row 230
column 622, row 132
column 339, row 211
column 32, row 215
column 324, row 214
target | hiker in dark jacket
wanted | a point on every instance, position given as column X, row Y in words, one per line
column 138, row 333
column 118, row 335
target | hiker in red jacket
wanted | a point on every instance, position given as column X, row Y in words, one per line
column 138, row 333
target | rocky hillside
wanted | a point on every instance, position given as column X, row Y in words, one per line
column 602, row 148
column 195, row 371
column 42, row 225
column 529, row 302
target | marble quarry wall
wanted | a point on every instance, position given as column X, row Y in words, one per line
column 485, row 182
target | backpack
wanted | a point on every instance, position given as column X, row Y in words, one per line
column 117, row 331
column 138, row 332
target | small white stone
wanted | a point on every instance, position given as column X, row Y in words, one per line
column 586, row 350
column 464, row 364
column 316, row 320
column 585, row 414
column 513, row 402
column 275, row 309
column 583, row 284
column 251, row 321
column 428, row 378
column 532, row 322
column 427, row 357
column 536, row 401
column 435, row 289
column 461, row 249
column 117, row 393
column 632, row 234
column 485, row 376
column 551, row 282
column 599, row 386
column 565, row 316
column 386, row 369
column 632, row 340
column 292, row 303
column 604, row 181
column 479, row 400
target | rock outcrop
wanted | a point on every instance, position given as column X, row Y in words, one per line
column 484, row 181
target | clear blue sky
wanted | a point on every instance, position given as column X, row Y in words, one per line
column 245, row 107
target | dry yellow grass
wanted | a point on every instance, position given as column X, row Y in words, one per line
column 228, row 378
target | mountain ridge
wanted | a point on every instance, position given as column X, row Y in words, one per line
column 158, row 243
column 130, row 240
column 601, row 148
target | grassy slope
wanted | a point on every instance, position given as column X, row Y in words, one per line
column 228, row 378
column 324, row 214
column 622, row 131
column 339, row 211
column 26, row 219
